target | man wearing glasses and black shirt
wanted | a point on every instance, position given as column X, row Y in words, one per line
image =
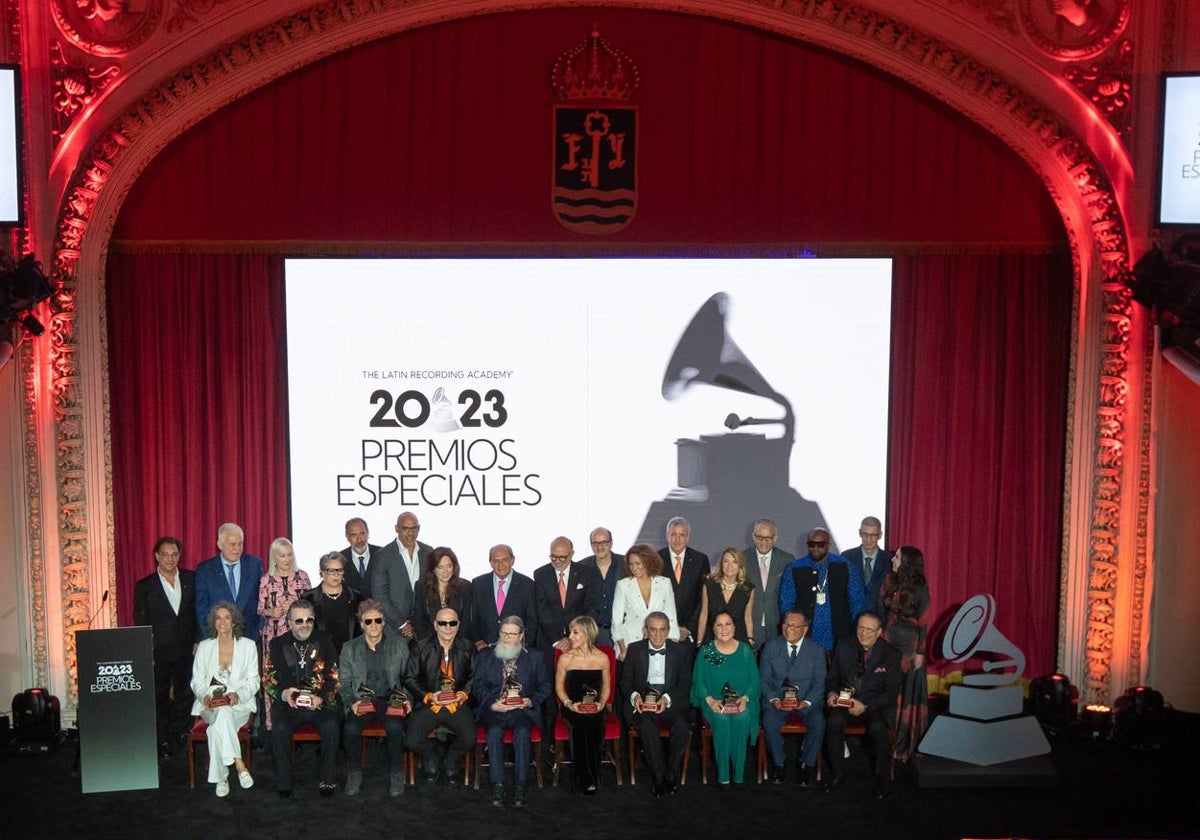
column 439, row 680
column 302, row 681
column 827, row 589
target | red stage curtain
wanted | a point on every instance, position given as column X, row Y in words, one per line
column 198, row 405
column 976, row 441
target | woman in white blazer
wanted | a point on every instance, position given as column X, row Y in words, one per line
column 225, row 682
column 644, row 591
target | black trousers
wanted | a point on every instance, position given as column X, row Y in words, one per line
column 284, row 721
column 876, row 721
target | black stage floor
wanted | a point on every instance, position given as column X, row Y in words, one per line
column 1104, row 790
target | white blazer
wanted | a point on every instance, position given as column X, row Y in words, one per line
column 243, row 679
column 629, row 611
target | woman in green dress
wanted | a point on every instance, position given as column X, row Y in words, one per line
column 725, row 687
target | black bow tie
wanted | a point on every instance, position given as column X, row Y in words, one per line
column 654, row 652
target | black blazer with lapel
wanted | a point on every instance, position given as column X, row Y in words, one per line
column 583, row 598
column 687, row 590
column 389, row 582
column 173, row 634
column 678, row 682
column 353, row 579
column 519, row 600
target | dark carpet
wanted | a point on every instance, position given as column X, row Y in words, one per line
column 1105, row 789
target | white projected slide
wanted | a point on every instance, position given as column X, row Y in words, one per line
column 10, row 180
column 1179, row 180
column 513, row 400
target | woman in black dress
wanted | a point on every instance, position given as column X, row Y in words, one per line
column 728, row 589
column 903, row 602
column 441, row 586
column 582, row 681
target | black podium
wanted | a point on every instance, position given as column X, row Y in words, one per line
column 117, row 734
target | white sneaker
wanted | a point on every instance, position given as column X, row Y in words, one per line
column 245, row 779
column 223, row 788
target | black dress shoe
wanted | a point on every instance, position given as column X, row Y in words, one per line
column 498, row 796
column 777, row 775
column 669, row 785
column 835, row 782
column 453, row 782
column 519, row 796
column 883, row 789
column 656, row 790
column 804, row 776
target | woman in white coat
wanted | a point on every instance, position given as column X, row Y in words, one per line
column 644, row 591
column 225, row 682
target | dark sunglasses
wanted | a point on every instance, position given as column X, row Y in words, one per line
column 372, row 621
column 308, row 620
column 448, row 623
column 817, row 543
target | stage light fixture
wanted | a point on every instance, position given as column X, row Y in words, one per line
column 1098, row 719
column 1053, row 701
column 1140, row 718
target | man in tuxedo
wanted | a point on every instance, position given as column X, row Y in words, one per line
column 866, row 669
column 659, row 664
column 765, row 565
column 301, row 679
column 502, row 592
column 790, row 661
column 610, row 568
column 564, row 590
column 229, row 576
column 685, row 567
column 166, row 601
column 358, row 556
column 397, row 569
column 824, row 587
column 872, row 561
column 509, row 663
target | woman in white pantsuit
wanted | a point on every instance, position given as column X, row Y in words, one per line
column 225, row 682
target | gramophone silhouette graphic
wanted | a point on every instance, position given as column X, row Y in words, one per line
column 986, row 724
column 727, row 481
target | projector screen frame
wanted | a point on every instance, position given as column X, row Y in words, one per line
column 16, row 137
column 1161, row 150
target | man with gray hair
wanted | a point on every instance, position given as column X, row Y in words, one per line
column 685, row 568
column 765, row 565
column 229, row 576
column 873, row 561
column 511, row 684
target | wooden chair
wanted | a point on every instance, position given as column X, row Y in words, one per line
column 198, row 734
column 632, row 737
column 376, row 731
column 612, row 725
column 706, row 749
column 304, row 733
column 535, row 736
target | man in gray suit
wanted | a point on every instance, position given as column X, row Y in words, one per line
column 395, row 572
column 765, row 565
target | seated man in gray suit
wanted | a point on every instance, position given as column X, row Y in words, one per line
column 792, row 672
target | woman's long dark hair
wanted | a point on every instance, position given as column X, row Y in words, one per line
column 430, row 580
column 904, row 585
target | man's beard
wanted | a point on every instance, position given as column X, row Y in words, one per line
column 510, row 651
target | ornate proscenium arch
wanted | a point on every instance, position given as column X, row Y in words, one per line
column 1080, row 184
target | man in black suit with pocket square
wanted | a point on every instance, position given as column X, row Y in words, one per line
column 663, row 666
column 166, row 602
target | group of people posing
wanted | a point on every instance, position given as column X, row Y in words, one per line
column 393, row 638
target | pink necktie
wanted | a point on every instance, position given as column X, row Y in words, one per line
column 562, row 588
column 500, row 599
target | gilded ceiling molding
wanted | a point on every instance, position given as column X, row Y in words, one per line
column 106, row 27
column 1108, row 83
column 34, row 570
column 76, row 80
column 1075, row 179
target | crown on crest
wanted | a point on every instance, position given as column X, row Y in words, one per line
column 594, row 70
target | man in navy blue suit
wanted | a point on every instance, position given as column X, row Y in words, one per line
column 872, row 561
column 499, row 593
column 510, row 685
column 792, row 665
column 230, row 576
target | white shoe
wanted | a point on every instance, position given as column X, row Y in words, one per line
column 223, row 788
column 245, row 779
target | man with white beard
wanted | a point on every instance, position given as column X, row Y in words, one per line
column 510, row 686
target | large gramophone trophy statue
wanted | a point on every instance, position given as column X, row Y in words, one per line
column 986, row 723
column 727, row 481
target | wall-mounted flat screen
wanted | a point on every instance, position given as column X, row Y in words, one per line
column 1179, row 173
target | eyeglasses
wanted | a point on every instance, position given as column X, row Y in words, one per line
column 309, row 620
column 410, row 528
column 875, row 534
column 795, row 627
column 333, row 571
column 369, row 621
column 870, row 631
column 601, row 543
column 453, row 623
column 818, row 543
column 509, row 634
column 561, row 558
column 764, row 536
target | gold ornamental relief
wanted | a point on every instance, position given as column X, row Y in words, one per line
column 107, row 27
column 1073, row 29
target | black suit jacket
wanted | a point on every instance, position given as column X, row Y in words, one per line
column 519, row 599
column 425, row 667
column 390, row 584
column 583, row 598
column 353, row 579
column 678, row 682
column 173, row 634
column 879, row 683
column 687, row 591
